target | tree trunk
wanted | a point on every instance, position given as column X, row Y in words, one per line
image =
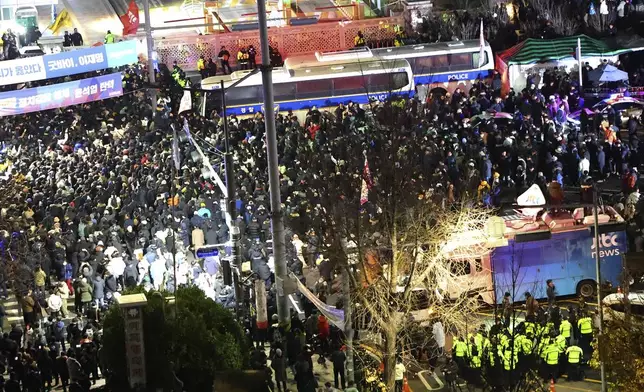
column 389, row 357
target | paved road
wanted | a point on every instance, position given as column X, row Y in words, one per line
column 426, row 380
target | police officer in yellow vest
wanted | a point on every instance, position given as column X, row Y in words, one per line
column 560, row 341
column 459, row 350
column 574, row 354
column 551, row 362
column 585, row 326
column 474, row 357
column 565, row 329
column 358, row 40
column 109, row 37
column 242, row 58
column 400, row 36
column 493, row 364
column 201, row 67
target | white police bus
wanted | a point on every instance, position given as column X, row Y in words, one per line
column 444, row 66
column 320, row 80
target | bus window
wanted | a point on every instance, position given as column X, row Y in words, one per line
column 460, row 267
column 475, row 60
column 419, row 300
column 478, row 265
column 425, row 65
column 314, row 88
column 460, row 61
column 617, row 308
column 244, row 95
column 387, row 82
column 284, row 91
column 637, row 310
column 350, row 85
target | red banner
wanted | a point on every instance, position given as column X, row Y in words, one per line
column 131, row 19
column 502, row 68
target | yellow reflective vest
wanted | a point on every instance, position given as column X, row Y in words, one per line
column 551, row 355
column 585, row 325
column 459, row 349
column 565, row 328
column 574, row 354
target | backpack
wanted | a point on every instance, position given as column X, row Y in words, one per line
column 60, row 332
column 277, row 335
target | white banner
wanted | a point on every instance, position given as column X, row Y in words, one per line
column 333, row 314
column 260, row 304
column 22, row 70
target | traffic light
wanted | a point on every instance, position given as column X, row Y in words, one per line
column 226, row 272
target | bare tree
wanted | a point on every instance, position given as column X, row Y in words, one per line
column 562, row 22
column 424, row 280
column 469, row 29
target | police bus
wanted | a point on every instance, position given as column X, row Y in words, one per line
column 319, row 80
column 444, row 66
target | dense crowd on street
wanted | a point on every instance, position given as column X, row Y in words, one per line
column 94, row 203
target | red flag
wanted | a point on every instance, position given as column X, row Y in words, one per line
column 131, row 19
column 502, row 68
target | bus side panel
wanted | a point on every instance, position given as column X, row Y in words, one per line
column 320, row 103
column 582, row 256
column 518, row 268
column 567, row 258
column 451, row 81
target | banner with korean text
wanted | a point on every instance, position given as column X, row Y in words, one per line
column 73, row 62
column 61, row 95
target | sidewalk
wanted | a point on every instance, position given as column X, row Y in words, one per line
column 322, row 374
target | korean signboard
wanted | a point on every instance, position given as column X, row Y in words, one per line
column 60, row 95
column 134, row 349
column 74, row 62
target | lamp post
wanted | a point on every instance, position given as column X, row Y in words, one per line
column 150, row 46
column 599, row 289
column 277, row 225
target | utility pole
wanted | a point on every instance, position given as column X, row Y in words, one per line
column 599, row 289
column 348, row 321
column 230, row 209
column 150, row 44
column 277, row 225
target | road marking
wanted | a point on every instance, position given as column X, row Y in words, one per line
column 426, row 384
column 586, row 379
column 576, row 389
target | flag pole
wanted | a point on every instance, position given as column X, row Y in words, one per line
column 150, row 47
column 579, row 63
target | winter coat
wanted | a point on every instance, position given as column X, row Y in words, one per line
column 198, row 239
column 99, row 288
column 85, row 291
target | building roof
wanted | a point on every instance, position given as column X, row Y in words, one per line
column 533, row 51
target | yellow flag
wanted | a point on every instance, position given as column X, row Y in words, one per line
column 63, row 21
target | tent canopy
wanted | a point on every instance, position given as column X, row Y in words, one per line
column 607, row 73
column 533, row 50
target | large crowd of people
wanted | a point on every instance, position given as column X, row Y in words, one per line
column 93, row 201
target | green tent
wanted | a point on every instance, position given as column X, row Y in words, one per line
column 533, row 50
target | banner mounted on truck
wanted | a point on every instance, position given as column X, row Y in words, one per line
column 61, row 95
column 74, row 62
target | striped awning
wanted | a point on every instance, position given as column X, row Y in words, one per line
column 533, row 50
